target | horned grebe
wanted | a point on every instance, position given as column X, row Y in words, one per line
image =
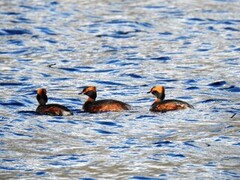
column 161, row 105
column 106, row 105
column 50, row 109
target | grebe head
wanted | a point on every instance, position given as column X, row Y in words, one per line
column 90, row 91
column 158, row 91
column 42, row 96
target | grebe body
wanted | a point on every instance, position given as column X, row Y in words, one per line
column 50, row 109
column 161, row 105
column 93, row 106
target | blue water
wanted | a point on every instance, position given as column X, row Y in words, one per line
column 124, row 48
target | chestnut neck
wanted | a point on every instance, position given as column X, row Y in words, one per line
column 159, row 96
column 42, row 99
column 92, row 95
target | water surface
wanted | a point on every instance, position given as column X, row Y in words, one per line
column 124, row 48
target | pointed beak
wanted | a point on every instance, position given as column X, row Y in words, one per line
column 149, row 91
column 81, row 93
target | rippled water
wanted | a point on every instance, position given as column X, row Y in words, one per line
column 124, row 48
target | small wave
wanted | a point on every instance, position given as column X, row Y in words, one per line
column 10, row 32
column 104, row 132
column 46, row 30
column 217, row 83
column 108, row 123
column 164, row 144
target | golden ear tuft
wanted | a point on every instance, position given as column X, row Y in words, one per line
column 159, row 89
column 42, row 91
column 91, row 88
